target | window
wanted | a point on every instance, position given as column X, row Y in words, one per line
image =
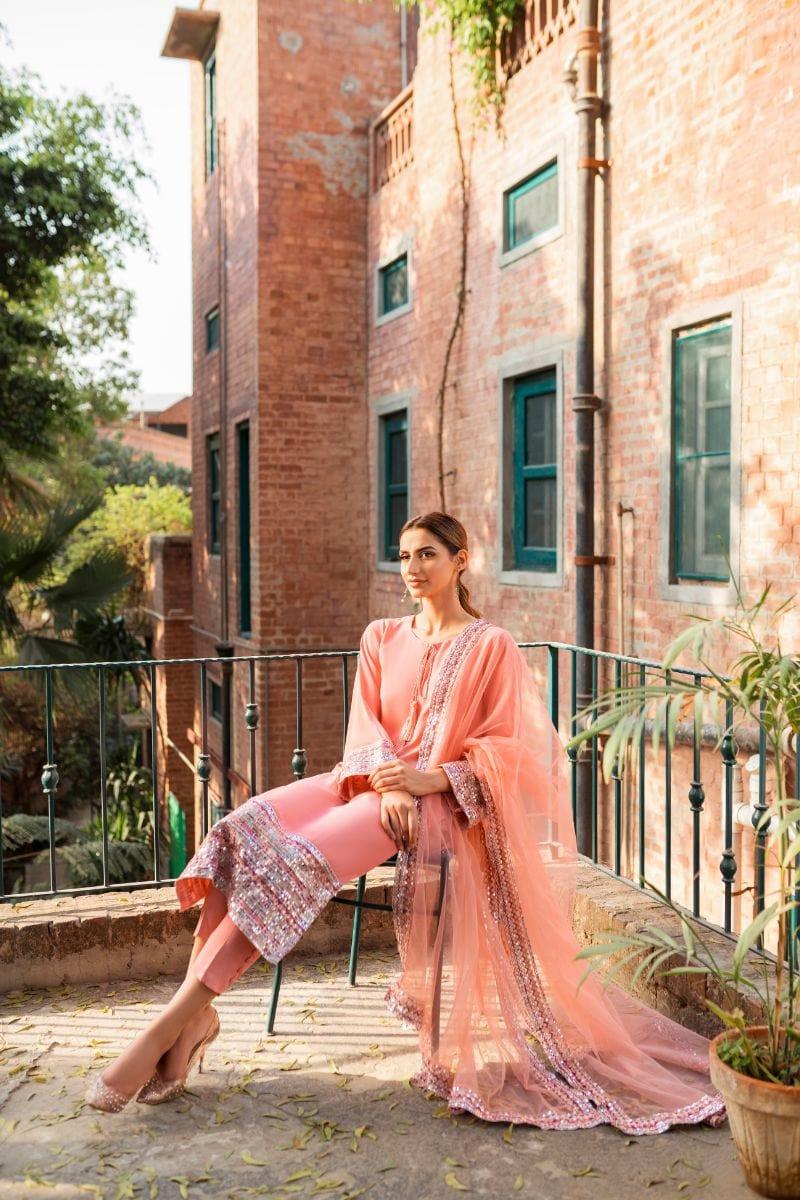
column 530, row 208
column 701, row 458
column 215, row 699
column 535, row 471
column 212, row 443
column 212, row 330
column 393, row 286
column 394, row 478
column 243, row 456
column 212, row 138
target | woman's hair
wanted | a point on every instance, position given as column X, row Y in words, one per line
column 450, row 531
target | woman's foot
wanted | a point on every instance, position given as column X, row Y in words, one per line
column 170, row 1078
column 122, row 1080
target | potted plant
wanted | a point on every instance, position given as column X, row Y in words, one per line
column 756, row 1067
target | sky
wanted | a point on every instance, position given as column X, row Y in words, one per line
column 94, row 46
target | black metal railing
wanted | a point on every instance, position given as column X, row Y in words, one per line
column 705, row 893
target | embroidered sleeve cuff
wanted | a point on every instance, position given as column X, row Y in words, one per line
column 466, row 789
column 354, row 770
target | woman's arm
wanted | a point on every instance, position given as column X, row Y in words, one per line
column 367, row 744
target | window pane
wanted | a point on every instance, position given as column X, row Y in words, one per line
column 703, row 525
column 540, row 441
column 716, row 510
column 540, row 513
column 532, row 207
column 701, row 479
column 703, row 367
column 397, row 456
column 394, row 285
column 212, row 330
column 398, row 515
column 244, row 528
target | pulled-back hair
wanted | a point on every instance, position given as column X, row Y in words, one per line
column 452, row 533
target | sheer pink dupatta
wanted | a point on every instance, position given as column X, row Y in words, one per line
column 515, row 1039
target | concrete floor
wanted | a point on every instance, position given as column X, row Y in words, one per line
column 322, row 1108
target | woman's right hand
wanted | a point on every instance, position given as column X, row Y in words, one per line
column 399, row 818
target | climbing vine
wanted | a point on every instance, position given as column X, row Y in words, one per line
column 476, row 27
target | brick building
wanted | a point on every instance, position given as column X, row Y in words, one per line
column 327, row 244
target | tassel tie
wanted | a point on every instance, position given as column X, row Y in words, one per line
column 420, row 689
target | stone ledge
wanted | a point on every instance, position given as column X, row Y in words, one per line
column 134, row 935
column 605, row 904
column 127, row 935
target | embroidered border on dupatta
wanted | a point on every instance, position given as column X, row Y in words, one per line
column 276, row 883
column 584, row 1102
column 466, row 788
column 444, row 679
column 506, row 909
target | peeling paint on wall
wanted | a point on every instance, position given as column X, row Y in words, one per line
column 292, row 42
column 376, row 35
column 349, row 85
column 341, row 157
column 343, row 118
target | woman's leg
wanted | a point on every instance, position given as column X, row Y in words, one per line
column 353, row 840
column 184, row 1014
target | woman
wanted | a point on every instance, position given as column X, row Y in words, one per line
column 451, row 760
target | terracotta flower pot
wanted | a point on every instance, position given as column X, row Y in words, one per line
column 765, row 1122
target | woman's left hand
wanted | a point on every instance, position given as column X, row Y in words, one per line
column 393, row 775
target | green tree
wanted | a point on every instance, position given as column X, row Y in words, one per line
column 120, row 465
column 41, row 605
column 69, row 180
column 121, row 525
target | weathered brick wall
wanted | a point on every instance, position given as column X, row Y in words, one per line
column 296, row 90
column 699, row 207
column 699, row 203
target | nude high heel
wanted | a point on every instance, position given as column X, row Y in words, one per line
column 158, row 1090
column 102, row 1096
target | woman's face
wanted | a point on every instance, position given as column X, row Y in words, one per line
column 427, row 567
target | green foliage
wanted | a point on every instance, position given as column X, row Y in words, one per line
column 69, row 181
column 475, row 27
column 122, row 523
column 761, row 688
column 22, row 831
column 121, row 467
column 39, row 609
column 129, row 828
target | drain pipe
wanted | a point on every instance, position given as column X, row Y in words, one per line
column 584, row 402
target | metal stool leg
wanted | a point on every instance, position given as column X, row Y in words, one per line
column 276, row 988
column 362, row 881
column 437, row 990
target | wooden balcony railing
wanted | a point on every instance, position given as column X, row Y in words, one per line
column 536, row 25
column 393, row 138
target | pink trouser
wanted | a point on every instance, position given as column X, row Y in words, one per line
column 348, row 833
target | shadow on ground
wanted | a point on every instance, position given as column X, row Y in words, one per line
column 322, row 1108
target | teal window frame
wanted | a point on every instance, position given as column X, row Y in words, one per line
column 243, row 462
column 211, row 123
column 392, row 424
column 385, row 274
column 212, row 330
column 510, row 197
column 681, row 507
column 214, row 699
column 213, row 469
column 527, row 557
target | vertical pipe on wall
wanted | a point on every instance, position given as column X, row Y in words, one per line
column 585, row 402
column 222, row 286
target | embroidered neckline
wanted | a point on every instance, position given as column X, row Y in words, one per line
column 443, row 641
